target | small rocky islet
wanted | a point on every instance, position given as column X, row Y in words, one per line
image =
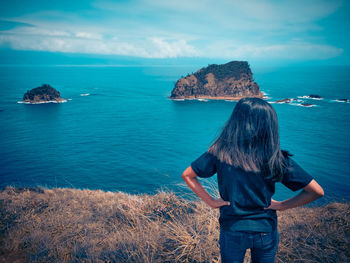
column 43, row 94
column 230, row 81
column 287, row 100
column 306, row 104
column 312, row 96
column 300, row 102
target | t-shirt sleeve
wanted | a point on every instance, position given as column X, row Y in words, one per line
column 296, row 178
column 204, row 165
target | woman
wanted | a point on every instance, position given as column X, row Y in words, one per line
column 248, row 161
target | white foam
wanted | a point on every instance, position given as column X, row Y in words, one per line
column 342, row 101
column 282, row 102
column 84, row 94
column 202, row 99
column 308, row 97
column 301, row 105
column 178, row 99
column 42, row 102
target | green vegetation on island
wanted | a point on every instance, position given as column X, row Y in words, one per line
column 233, row 80
column 43, row 94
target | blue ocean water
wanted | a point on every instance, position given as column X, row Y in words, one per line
column 125, row 134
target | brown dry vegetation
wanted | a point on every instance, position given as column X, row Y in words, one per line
column 71, row 225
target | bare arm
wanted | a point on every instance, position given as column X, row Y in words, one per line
column 190, row 177
column 310, row 193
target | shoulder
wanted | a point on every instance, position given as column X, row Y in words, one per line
column 210, row 155
column 205, row 165
column 296, row 176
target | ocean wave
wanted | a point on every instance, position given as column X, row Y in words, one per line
column 308, row 97
column 342, row 100
column 287, row 101
column 84, row 94
column 42, row 102
column 302, row 105
column 294, row 103
column 283, row 101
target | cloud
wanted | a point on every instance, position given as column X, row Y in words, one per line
column 88, row 35
column 178, row 48
column 55, row 40
column 237, row 15
column 296, row 11
column 6, row 25
column 37, row 31
column 288, row 51
column 249, row 29
column 92, row 43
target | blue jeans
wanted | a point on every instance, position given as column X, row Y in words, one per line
column 233, row 245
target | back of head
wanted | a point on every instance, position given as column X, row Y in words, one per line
column 250, row 139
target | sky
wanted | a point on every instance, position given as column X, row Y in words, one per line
column 253, row 30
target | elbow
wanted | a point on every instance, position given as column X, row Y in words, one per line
column 314, row 189
column 320, row 193
column 186, row 174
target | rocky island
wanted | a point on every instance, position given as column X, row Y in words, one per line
column 230, row 81
column 43, row 94
column 292, row 101
column 287, row 100
column 311, row 96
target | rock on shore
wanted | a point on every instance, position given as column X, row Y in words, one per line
column 233, row 80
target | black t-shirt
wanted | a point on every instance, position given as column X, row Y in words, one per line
column 247, row 192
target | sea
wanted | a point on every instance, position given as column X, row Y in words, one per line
column 119, row 131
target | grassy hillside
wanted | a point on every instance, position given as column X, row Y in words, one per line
column 71, row 225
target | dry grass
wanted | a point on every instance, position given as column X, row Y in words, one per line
column 71, row 225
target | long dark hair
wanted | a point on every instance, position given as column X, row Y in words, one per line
column 250, row 140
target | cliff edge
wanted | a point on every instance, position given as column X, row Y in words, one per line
column 73, row 225
column 233, row 80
